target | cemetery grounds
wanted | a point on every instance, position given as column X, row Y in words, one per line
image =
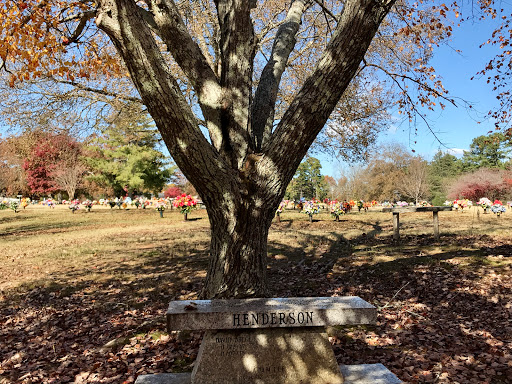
column 83, row 296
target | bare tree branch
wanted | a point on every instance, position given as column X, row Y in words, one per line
column 84, row 18
column 319, row 95
column 98, row 91
column 406, row 94
column 325, row 9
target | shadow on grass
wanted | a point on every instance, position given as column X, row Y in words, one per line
column 15, row 217
column 31, row 229
column 57, row 327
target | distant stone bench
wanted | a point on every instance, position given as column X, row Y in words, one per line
column 270, row 341
column 396, row 217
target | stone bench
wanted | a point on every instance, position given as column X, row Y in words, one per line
column 396, row 217
column 270, row 341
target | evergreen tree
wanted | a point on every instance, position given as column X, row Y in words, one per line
column 126, row 157
column 487, row 152
column 443, row 169
column 308, row 181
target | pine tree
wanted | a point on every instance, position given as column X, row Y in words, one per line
column 127, row 155
column 443, row 169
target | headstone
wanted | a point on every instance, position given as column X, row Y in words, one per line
column 270, row 341
column 267, row 341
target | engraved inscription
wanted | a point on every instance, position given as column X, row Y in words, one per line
column 238, row 346
column 233, row 346
column 272, row 318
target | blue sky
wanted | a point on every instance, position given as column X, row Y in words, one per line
column 454, row 126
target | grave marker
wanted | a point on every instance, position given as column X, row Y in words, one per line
column 265, row 341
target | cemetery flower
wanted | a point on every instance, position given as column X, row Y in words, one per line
column 14, row 205
column 88, row 204
column 498, row 208
column 462, row 203
column 281, row 207
column 310, row 208
column 336, row 209
column 74, row 205
column 3, row 204
column 185, row 203
column 484, row 202
column 160, row 205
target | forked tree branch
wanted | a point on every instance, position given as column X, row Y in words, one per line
column 167, row 22
column 263, row 110
column 238, row 48
column 312, row 106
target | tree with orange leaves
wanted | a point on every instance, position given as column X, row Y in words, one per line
column 260, row 78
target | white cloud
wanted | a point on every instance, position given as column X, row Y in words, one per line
column 392, row 129
column 456, row 151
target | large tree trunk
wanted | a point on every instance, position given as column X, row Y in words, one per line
column 238, row 251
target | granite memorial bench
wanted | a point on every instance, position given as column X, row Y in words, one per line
column 396, row 217
column 270, row 341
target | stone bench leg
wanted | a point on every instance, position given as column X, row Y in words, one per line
column 275, row 355
column 396, row 225
column 436, row 224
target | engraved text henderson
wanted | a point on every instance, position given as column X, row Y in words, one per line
column 272, row 318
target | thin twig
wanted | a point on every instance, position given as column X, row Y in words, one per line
column 397, row 292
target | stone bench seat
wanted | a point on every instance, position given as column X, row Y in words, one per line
column 269, row 313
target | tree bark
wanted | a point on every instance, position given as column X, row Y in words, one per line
column 238, row 250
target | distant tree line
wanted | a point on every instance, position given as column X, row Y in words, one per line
column 124, row 159
column 393, row 173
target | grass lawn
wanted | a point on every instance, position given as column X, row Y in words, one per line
column 83, row 295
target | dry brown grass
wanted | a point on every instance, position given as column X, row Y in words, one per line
column 40, row 244
column 71, row 283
